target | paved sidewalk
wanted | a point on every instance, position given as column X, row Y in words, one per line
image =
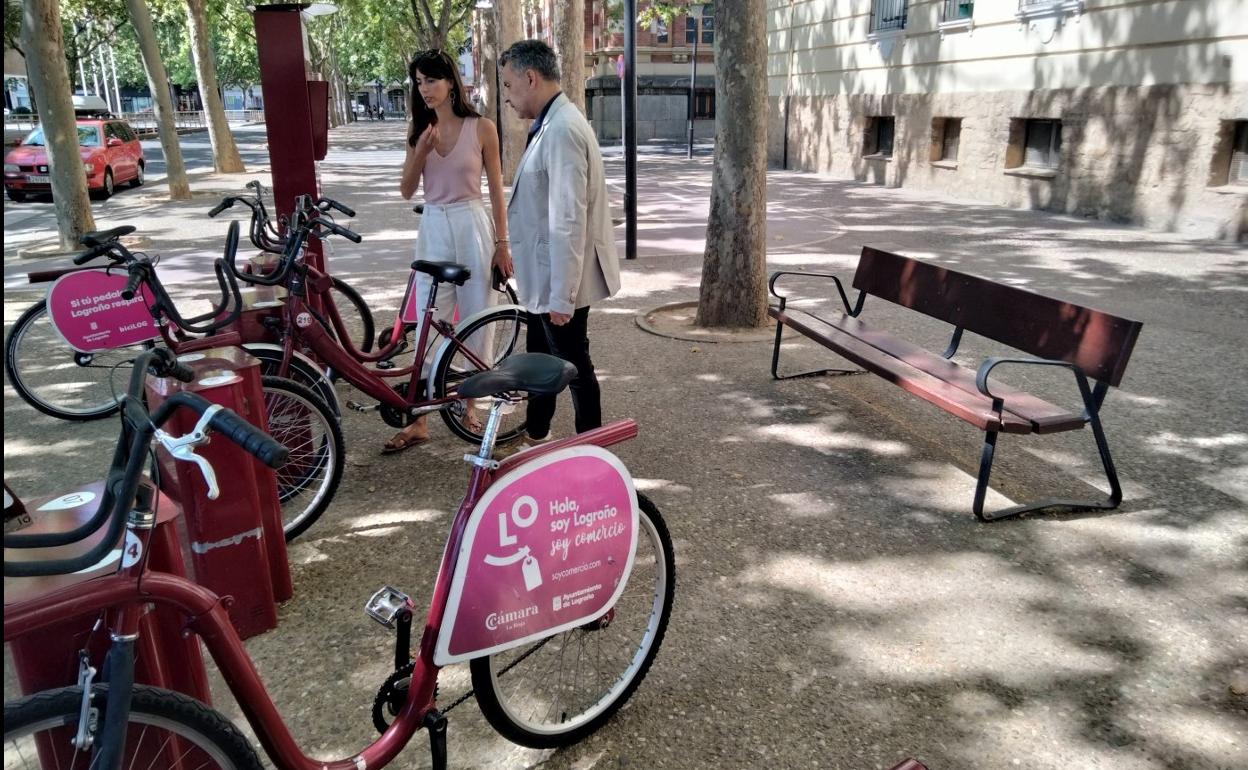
column 837, row 604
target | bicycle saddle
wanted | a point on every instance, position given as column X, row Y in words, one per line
column 537, row 373
column 448, row 272
column 100, row 237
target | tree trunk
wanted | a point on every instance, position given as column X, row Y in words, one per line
column 514, row 129
column 49, row 77
column 570, row 45
column 734, row 285
column 224, row 154
column 488, row 48
column 157, row 80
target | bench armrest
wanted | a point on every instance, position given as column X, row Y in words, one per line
column 1091, row 400
column 840, row 288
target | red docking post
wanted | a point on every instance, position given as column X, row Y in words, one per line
column 236, row 544
column 296, row 112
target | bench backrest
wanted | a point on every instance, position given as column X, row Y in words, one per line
column 1096, row 342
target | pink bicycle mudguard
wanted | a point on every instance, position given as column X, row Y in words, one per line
column 547, row 548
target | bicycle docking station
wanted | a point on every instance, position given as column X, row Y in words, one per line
column 49, row 659
column 235, row 540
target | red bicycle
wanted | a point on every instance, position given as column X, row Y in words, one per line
column 556, row 584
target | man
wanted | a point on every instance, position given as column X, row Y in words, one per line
column 560, row 221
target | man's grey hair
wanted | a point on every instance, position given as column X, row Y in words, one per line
column 531, row 55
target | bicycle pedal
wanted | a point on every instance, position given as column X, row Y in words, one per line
column 386, row 604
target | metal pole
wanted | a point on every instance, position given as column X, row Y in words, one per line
column 693, row 76
column 630, row 129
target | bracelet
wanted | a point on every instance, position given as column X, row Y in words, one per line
column 501, row 240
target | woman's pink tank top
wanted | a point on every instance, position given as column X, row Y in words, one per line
column 456, row 177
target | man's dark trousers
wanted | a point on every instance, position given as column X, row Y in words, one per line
column 571, row 343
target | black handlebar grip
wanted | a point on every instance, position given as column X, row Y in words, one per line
column 89, row 255
column 350, row 235
column 419, row 208
column 336, row 228
column 333, row 204
column 180, row 371
column 228, row 203
column 253, row 440
column 132, row 283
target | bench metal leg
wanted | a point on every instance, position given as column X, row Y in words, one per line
column 775, row 362
column 1107, row 462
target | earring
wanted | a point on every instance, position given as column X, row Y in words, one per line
column 453, row 97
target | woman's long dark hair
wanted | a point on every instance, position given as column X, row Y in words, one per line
column 437, row 65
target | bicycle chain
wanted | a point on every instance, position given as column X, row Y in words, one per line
column 393, row 691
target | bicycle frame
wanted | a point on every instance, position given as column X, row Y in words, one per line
column 134, row 586
column 303, row 328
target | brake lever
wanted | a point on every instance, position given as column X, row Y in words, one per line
column 183, row 448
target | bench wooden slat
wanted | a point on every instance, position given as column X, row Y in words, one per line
column 1095, row 341
column 1044, row 416
column 974, row 408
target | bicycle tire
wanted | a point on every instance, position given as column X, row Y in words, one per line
column 202, row 734
column 301, row 422
column 367, row 329
column 301, row 371
column 503, row 709
column 502, row 331
column 75, row 392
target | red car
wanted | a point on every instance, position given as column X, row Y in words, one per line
column 111, row 155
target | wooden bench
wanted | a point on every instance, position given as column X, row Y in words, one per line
column 1093, row 345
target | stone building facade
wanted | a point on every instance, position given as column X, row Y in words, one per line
column 665, row 54
column 1126, row 110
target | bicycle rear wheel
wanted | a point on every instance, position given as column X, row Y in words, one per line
column 491, row 338
column 58, row 381
column 559, row 690
column 302, row 423
column 165, row 729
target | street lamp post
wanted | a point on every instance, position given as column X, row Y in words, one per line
column 695, row 11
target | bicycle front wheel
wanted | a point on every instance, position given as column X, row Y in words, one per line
column 165, row 729
column 559, row 690
column 487, row 340
column 54, row 378
column 302, row 423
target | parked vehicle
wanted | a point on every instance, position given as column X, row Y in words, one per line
column 111, row 155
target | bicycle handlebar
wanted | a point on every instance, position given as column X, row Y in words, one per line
column 122, row 490
column 137, row 273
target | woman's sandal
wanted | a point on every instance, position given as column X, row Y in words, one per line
column 399, row 442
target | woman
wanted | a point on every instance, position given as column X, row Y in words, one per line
column 448, row 147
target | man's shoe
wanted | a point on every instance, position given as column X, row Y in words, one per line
column 524, row 442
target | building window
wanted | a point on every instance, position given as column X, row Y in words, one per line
column 660, row 31
column 958, row 10
column 946, row 135
column 1043, row 143
column 1239, row 154
column 878, row 138
column 708, row 24
column 704, row 104
column 691, row 30
column 888, row 15
column 1230, row 157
